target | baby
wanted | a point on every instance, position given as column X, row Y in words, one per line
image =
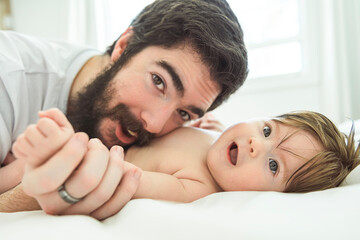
column 294, row 152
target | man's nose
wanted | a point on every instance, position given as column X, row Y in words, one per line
column 154, row 119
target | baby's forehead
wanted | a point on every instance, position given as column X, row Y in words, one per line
column 298, row 139
column 260, row 119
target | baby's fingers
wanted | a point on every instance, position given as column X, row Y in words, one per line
column 29, row 144
column 57, row 116
column 21, row 147
column 51, row 130
column 46, row 138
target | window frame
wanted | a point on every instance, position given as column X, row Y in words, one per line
column 309, row 74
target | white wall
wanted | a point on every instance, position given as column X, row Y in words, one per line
column 331, row 80
column 44, row 18
column 332, row 85
column 244, row 105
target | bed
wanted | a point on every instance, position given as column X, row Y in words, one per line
column 328, row 214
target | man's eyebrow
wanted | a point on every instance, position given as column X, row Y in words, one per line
column 179, row 86
column 174, row 76
column 196, row 110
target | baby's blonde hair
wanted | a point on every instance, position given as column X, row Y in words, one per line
column 328, row 168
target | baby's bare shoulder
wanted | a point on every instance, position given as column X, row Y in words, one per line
column 189, row 135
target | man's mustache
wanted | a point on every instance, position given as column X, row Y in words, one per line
column 128, row 121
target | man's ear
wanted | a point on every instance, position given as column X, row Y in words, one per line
column 121, row 44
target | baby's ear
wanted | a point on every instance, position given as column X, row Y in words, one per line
column 57, row 116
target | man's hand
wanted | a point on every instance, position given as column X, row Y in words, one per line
column 56, row 156
column 99, row 179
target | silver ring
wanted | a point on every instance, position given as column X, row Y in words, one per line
column 66, row 196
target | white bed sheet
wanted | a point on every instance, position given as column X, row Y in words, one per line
column 329, row 214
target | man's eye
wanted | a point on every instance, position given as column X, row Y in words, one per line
column 273, row 165
column 184, row 116
column 267, row 131
column 158, row 82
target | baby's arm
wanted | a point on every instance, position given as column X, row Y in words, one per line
column 157, row 185
column 41, row 140
column 164, row 186
column 11, row 173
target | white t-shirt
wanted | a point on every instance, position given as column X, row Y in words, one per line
column 35, row 74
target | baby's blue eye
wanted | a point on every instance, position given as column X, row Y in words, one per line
column 273, row 165
column 267, row 131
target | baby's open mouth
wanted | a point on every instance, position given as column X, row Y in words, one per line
column 233, row 152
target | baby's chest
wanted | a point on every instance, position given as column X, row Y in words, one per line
column 171, row 161
column 167, row 161
column 173, row 164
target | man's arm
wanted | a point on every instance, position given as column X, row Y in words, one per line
column 16, row 200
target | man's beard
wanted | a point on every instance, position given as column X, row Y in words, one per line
column 87, row 110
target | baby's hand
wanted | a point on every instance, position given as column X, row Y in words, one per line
column 209, row 122
column 43, row 139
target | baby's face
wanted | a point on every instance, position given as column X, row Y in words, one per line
column 259, row 155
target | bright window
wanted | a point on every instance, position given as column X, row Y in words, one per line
column 272, row 35
column 119, row 15
column 272, row 32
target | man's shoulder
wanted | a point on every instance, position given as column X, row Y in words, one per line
column 35, row 54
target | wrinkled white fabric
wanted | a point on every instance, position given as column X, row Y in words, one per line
column 35, row 74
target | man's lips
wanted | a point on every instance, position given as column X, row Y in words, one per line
column 125, row 136
column 233, row 153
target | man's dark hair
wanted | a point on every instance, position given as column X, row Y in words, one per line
column 209, row 26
